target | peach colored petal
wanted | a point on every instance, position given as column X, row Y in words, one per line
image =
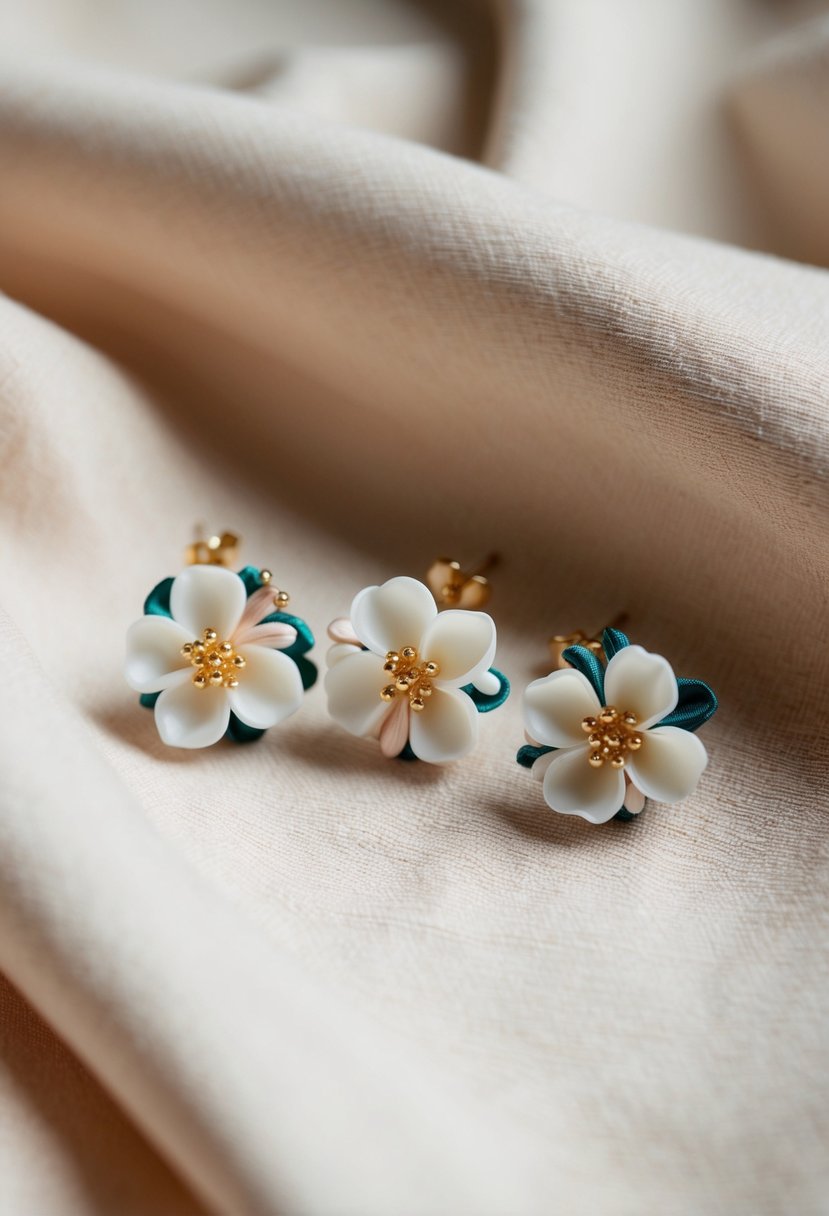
column 275, row 634
column 394, row 731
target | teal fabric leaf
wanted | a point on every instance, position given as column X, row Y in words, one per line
column 484, row 702
column 697, row 703
column 252, row 579
column 157, row 602
column 586, row 662
column 307, row 671
column 148, row 699
column 625, row 816
column 528, row 754
column 613, row 640
column 407, row 754
column 240, row 732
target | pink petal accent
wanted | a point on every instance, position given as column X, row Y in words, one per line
column 274, row 634
column 259, row 605
column 394, row 732
column 340, row 631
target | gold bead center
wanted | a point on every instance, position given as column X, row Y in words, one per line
column 217, row 664
column 412, row 677
column 612, row 737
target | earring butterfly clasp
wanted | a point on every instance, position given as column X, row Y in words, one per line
column 560, row 642
column 454, row 587
column 219, row 550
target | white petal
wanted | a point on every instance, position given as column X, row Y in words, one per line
column 634, row 799
column 394, row 615
column 669, row 764
column 187, row 716
column 340, row 650
column 572, row 787
column 270, row 688
column 540, row 766
column 353, row 686
column 446, row 729
column 154, row 658
column 554, row 708
column 461, row 643
column 487, row 683
column 208, row 597
column 642, row 682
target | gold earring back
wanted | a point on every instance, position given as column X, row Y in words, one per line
column 454, row 587
column 559, row 642
column 219, row 550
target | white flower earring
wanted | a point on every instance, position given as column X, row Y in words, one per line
column 215, row 653
column 612, row 727
column 412, row 677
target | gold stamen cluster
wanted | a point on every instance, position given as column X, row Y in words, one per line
column 217, row 664
column 612, row 736
column 410, row 676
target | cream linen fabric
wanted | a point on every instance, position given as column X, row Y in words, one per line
column 295, row 977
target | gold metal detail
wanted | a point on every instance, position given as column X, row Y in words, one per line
column 410, row 677
column 453, row 587
column 216, row 662
column 612, row 736
column 559, row 642
column 214, row 550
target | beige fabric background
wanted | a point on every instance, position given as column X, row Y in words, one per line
column 295, row 977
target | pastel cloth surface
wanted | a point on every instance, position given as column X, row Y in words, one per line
column 290, row 977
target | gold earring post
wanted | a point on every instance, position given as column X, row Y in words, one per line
column 559, row 642
column 221, row 550
column 454, row 587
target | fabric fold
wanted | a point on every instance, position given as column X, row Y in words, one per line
column 317, row 979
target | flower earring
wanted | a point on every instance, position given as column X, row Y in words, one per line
column 413, row 677
column 216, row 653
column 612, row 727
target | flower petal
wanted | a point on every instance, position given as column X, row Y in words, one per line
column 634, row 799
column 555, row 706
column 341, row 650
column 540, row 766
column 394, row 730
column 259, row 605
column 275, row 634
column 461, row 643
column 154, row 658
column 572, row 787
column 669, row 764
column 270, row 688
column 487, row 683
column 353, row 686
column 642, row 682
column 341, row 630
column 394, row 615
column 446, row 729
column 208, row 597
column 187, row 716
